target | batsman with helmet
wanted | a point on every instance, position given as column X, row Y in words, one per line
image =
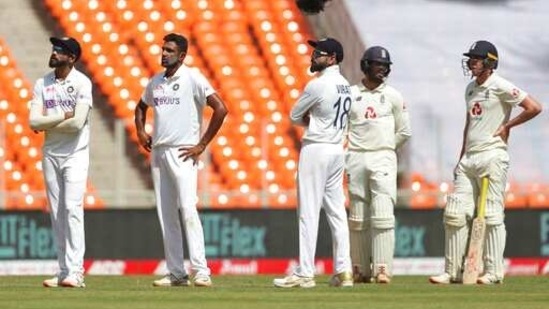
column 490, row 99
column 378, row 125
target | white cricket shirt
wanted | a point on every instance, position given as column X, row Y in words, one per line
column 489, row 106
column 178, row 102
column 58, row 97
column 379, row 119
column 327, row 100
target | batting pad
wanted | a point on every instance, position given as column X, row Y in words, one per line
column 383, row 249
column 454, row 246
column 361, row 246
column 494, row 248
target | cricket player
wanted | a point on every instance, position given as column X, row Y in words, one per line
column 60, row 107
column 378, row 125
column 322, row 109
column 490, row 99
column 178, row 97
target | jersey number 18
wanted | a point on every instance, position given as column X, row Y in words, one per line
column 342, row 106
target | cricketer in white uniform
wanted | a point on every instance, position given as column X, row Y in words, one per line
column 490, row 99
column 378, row 125
column 178, row 96
column 323, row 109
column 60, row 107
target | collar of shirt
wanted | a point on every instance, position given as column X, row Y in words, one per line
column 176, row 75
column 363, row 88
column 330, row 70
column 67, row 79
column 488, row 82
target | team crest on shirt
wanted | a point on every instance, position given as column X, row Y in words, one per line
column 370, row 113
column 70, row 89
column 175, row 87
column 476, row 110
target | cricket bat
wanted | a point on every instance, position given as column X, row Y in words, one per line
column 473, row 260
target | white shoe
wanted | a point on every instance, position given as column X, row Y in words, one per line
column 443, row 278
column 489, row 278
column 383, row 278
column 73, row 281
column 202, row 281
column 52, row 282
column 171, row 280
column 344, row 279
column 294, row 281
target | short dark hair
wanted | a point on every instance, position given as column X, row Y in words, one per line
column 179, row 40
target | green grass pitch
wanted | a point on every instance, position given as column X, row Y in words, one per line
column 257, row 292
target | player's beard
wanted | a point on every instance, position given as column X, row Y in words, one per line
column 317, row 67
column 56, row 63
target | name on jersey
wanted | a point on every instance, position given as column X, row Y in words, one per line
column 343, row 89
column 165, row 101
column 63, row 103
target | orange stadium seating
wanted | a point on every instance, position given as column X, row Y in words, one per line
column 252, row 51
column 19, row 151
column 255, row 54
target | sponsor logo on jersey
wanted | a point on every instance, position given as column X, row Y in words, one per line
column 165, row 101
column 515, row 92
column 54, row 103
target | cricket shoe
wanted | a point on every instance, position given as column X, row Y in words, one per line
column 443, row 278
column 52, row 282
column 359, row 277
column 382, row 276
column 73, row 281
column 344, row 280
column 202, row 281
column 489, row 278
column 171, row 280
column 294, row 281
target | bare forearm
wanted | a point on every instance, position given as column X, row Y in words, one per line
column 213, row 127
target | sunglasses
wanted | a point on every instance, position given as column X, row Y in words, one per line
column 60, row 50
column 318, row 53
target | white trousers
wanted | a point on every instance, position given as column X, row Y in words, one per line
column 175, row 189
column 372, row 177
column 320, row 185
column 65, row 179
column 461, row 206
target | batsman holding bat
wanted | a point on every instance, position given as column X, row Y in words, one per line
column 490, row 99
column 378, row 125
